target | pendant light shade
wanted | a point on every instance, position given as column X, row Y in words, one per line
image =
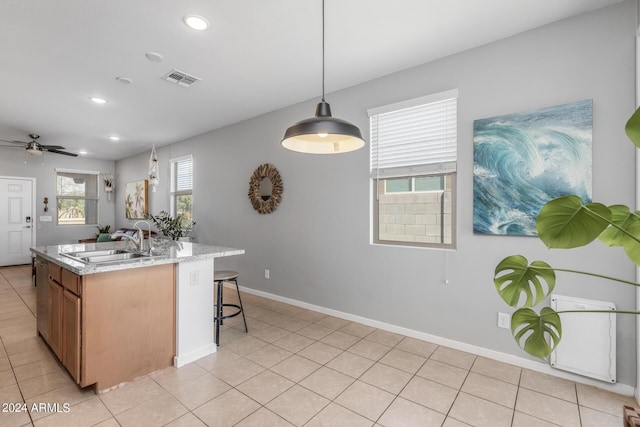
column 323, row 134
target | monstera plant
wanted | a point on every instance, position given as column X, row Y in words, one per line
column 564, row 223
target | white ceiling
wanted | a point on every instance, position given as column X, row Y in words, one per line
column 258, row 56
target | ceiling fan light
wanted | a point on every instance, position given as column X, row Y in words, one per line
column 34, row 151
column 323, row 134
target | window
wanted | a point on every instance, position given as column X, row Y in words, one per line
column 77, row 197
column 182, row 187
column 413, row 171
column 419, row 184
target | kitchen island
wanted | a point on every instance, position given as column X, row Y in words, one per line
column 115, row 321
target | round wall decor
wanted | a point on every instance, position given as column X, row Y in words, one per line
column 265, row 188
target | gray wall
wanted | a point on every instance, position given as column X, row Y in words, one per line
column 12, row 163
column 316, row 244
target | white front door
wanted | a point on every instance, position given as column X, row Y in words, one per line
column 16, row 220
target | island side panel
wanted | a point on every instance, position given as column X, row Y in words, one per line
column 128, row 319
column 194, row 316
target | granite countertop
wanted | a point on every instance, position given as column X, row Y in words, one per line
column 169, row 252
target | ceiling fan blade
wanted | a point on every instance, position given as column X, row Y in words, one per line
column 62, row 152
column 52, row 147
column 14, row 142
column 10, row 146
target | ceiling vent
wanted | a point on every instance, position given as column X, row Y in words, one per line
column 180, row 78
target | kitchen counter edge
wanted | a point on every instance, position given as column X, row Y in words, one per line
column 176, row 252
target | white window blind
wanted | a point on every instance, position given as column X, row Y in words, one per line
column 83, row 185
column 182, row 175
column 415, row 137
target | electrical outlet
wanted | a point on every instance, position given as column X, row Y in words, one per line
column 266, row 273
column 504, row 320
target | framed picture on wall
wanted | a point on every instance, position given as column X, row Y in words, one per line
column 136, row 199
column 523, row 160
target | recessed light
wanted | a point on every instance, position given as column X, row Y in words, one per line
column 82, row 152
column 114, row 138
column 98, row 100
column 124, row 80
column 154, row 56
column 196, row 22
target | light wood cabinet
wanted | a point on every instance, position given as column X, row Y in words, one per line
column 55, row 317
column 42, row 294
column 128, row 324
column 71, row 333
column 112, row 327
column 65, row 318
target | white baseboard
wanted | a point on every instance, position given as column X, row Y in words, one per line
column 619, row 388
column 179, row 361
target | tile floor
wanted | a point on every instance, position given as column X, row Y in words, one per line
column 295, row 368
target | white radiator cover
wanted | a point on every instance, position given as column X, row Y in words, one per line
column 588, row 345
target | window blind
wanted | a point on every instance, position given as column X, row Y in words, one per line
column 415, row 137
column 79, row 185
column 183, row 175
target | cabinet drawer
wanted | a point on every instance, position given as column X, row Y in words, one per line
column 55, row 272
column 71, row 281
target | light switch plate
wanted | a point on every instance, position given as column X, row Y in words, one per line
column 194, row 278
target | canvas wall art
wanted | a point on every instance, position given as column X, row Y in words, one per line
column 136, row 199
column 521, row 161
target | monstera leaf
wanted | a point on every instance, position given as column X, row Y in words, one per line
column 631, row 243
column 622, row 217
column 514, row 277
column 632, row 128
column 625, row 231
column 566, row 222
column 536, row 334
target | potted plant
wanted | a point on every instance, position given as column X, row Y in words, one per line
column 174, row 228
column 108, row 181
column 564, row 223
column 103, row 234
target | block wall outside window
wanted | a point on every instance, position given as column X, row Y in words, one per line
column 416, row 217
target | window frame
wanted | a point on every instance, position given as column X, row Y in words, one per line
column 375, row 216
column 174, row 193
column 445, row 168
column 95, row 198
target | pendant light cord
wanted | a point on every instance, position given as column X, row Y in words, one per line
column 322, row 50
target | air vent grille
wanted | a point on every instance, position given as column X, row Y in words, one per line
column 181, row 78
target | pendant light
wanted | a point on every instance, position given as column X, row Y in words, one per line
column 323, row 134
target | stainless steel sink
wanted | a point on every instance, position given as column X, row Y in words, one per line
column 106, row 256
column 84, row 254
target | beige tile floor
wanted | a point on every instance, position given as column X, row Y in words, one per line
column 295, row 367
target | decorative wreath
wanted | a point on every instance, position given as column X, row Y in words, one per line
column 270, row 204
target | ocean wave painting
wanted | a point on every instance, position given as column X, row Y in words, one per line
column 521, row 161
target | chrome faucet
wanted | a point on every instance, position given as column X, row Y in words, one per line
column 139, row 241
column 141, row 234
column 127, row 237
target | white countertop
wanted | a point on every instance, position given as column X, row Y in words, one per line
column 170, row 253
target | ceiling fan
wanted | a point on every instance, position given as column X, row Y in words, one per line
column 35, row 148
